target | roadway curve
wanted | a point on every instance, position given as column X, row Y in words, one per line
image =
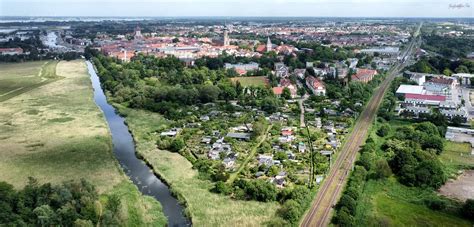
column 331, row 188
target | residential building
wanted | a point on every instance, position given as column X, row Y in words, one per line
column 10, row 51
column 364, row 75
column 315, row 85
column 281, row 70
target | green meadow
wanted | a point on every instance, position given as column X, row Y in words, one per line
column 51, row 129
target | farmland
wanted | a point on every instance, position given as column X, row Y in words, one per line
column 56, row 133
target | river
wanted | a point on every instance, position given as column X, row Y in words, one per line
column 124, row 150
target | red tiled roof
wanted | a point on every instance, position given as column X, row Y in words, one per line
column 365, row 72
column 315, row 83
column 442, row 81
column 241, row 71
column 17, row 49
column 277, row 90
column 261, row 48
column 426, row 97
column 286, row 132
column 285, row 82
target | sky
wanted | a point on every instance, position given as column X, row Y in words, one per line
column 235, row 8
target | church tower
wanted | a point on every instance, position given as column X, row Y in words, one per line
column 138, row 33
column 269, row 45
column 226, row 36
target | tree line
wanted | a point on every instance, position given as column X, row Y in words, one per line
column 73, row 203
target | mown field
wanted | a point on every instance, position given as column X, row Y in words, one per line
column 205, row 208
column 251, row 81
column 16, row 80
column 55, row 133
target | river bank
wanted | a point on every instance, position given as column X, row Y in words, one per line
column 138, row 171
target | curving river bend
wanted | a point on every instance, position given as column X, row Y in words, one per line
column 124, row 150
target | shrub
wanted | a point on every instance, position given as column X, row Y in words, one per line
column 468, row 209
column 176, row 145
column 436, row 204
column 384, row 130
column 290, row 211
column 347, row 202
column 382, row 169
column 343, row 218
column 222, row 187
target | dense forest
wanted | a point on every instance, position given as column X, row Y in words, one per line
column 450, row 47
column 69, row 204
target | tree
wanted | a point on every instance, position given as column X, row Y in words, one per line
column 382, row 169
column 281, row 155
column 433, row 142
column 269, row 104
column 45, row 215
column 366, row 160
column 383, row 130
column 447, row 72
column 273, row 170
column 7, row 199
column 344, row 218
column 347, row 202
column 113, row 203
column 428, row 128
column 286, row 94
column 468, row 209
column 302, row 91
column 176, row 145
column 222, row 187
column 462, row 69
column 290, row 211
column 429, row 173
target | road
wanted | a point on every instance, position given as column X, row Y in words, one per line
column 331, row 188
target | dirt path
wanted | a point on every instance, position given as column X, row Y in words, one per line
column 461, row 188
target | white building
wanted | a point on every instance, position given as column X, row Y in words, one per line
column 410, row 89
column 316, row 86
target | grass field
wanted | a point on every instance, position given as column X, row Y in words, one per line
column 251, row 81
column 205, row 208
column 456, row 156
column 388, row 203
column 16, row 80
column 55, row 133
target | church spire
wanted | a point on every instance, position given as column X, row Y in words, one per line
column 269, row 44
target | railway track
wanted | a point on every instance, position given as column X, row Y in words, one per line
column 331, row 188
